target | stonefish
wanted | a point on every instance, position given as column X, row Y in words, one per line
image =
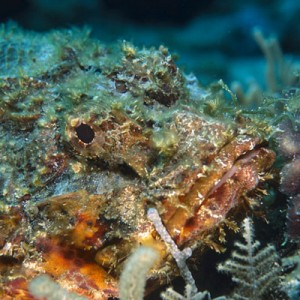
column 92, row 137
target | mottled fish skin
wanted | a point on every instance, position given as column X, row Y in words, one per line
column 91, row 136
column 20, row 55
column 51, row 81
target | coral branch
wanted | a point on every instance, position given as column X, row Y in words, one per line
column 179, row 256
column 254, row 271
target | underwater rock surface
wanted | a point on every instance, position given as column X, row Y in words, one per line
column 91, row 138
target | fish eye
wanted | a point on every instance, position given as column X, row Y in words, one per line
column 85, row 133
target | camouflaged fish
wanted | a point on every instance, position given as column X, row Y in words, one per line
column 92, row 136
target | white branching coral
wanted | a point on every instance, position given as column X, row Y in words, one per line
column 191, row 291
column 253, row 270
column 179, row 256
column 170, row 294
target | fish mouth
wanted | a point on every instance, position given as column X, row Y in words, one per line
column 234, row 172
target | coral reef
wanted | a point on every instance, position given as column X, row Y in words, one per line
column 103, row 148
column 254, row 271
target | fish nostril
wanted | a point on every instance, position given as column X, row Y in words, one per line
column 85, row 133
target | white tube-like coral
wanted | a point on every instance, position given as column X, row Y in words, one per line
column 134, row 276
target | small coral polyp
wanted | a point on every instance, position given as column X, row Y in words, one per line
column 93, row 136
